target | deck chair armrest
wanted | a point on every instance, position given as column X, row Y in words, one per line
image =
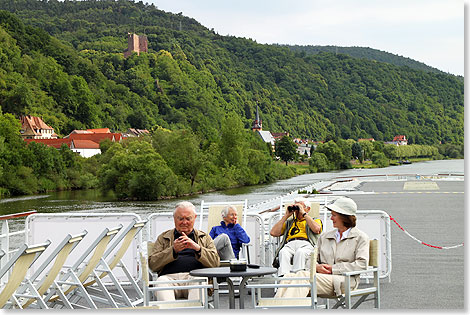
column 180, row 281
column 182, row 287
column 268, row 279
column 277, row 285
column 359, row 272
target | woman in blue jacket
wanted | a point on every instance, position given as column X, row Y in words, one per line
column 229, row 235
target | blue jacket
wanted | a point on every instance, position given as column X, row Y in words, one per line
column 235, row 232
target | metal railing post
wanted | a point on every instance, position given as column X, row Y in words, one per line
column 5, row 246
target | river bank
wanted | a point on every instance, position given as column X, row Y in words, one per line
column 93, row 200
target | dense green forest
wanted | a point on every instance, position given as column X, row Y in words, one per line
column 193, row 76
column 196, row 91
column 367, row 53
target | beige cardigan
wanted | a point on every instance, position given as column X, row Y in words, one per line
column 350, row 254
column 163, row 250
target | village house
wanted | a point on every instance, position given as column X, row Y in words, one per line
column 33, row 127
column 85, row 148
column 400, row 140
column 279, row 135
column 132, row 132
column 84, row 142
column 96, row 137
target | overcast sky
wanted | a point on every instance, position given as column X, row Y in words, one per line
column 429, row 31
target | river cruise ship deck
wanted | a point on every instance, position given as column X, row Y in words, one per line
column 417, row 218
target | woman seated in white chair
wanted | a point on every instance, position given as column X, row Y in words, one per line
column 343, row 249
column 229, row 235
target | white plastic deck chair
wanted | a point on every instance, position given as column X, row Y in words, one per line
column 376, row 224
column 214, row 217
column 121, row 243
column 60, row 254
column 18, row 265
column 149, row 287
column 294, row 282
column 70, row 286
column 369, row 291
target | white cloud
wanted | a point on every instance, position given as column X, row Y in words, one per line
column 430, row 31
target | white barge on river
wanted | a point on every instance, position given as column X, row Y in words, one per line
column 93, row 260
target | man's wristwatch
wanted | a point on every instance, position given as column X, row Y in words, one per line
column 303, row 215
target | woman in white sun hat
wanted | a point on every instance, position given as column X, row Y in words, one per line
column 345, row 248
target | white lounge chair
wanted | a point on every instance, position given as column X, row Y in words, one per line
column 369, row 291
column 116, row 251
column 214, row 217
column 60, row 254
column 18, row 265
column 70, row 286
column 149, row 287
column 294, row 282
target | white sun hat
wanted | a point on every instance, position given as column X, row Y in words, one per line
column 343, row 205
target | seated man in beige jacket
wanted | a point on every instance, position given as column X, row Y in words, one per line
column 180, row 250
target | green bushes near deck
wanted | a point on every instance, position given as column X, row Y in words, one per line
column 180, row 162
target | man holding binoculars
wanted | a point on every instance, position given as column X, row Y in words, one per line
column 300, row 233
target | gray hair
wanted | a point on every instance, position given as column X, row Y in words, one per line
column 185, row 204
column 304, row 200
column 225, row 210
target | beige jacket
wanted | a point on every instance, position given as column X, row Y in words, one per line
column 162, row 253
column 350, row 254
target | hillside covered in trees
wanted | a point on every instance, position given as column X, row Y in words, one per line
column 64, row 61
column 366, row 53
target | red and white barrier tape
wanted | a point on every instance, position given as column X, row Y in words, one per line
column 433, row 246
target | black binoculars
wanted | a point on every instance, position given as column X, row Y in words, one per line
column 293, row 208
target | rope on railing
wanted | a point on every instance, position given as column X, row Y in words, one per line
column 423, row 243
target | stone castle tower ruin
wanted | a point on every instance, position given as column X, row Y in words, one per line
column 136, row 43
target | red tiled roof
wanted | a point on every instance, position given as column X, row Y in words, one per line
column 81, row 132
column 85, row 144
column 99, row 130
column 96, row 137
column 279, row 134
column 399, row 138
column 33, row 122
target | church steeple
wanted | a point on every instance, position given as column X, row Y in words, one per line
column 257, row 123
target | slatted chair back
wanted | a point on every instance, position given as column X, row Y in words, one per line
column 19, row 265
column 107, row 266
column 98, row 248
column 54, row 226
column 60, row 254
column 127, row 237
